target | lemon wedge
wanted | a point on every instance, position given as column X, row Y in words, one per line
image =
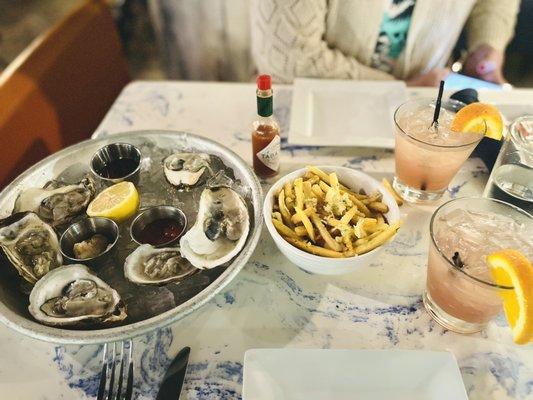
column 479, row 118
column 117, row 202
column 512, row 268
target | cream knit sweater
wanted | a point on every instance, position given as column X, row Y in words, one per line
column 336, row 38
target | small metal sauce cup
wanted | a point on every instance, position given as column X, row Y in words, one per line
column 83, row 230
column 115, row 151
column 153, row 214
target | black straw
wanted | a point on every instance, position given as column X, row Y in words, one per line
column 438, row 105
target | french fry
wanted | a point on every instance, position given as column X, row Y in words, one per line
column 332, row 221
column 368, row 222
column 366, row 239
column 350, row 253
column 317, row 191
column 308, row 193
column 354, row 194
column 372, row 198
column 300, row 230
column 359, row 230
column 306, row 222
column 379, row 207
column 376, row 228
column 324, row 233
column 325, row 177
column 393, row 192
column 283, row 208
column 296, row 219
column 378, row 240
column 277, row 215
column 346, row 218
column 283, row 229
column 360, row 205
column 313, row 179
column 361, row 241
column 299, row 191
column 287, row 187
column 347, row 242
column 289, row 202
column 318, row 172
column 316, row 250
column 333, row 180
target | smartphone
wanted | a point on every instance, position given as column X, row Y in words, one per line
column 456, row 81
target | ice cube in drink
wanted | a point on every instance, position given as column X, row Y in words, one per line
column 460, row 293
column 428, row 156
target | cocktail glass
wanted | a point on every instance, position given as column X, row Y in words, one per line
column 427, row 159
column 460, row 294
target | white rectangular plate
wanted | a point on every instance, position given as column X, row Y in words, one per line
column 301, row 374
column 344, row 113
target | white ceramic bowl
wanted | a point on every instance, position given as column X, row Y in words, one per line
column 352, row 179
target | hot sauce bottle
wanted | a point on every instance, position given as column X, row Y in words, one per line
column 265, row 135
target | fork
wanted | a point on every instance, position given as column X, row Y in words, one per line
column 109, row 364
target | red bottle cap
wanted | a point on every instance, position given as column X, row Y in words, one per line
column 264, row 82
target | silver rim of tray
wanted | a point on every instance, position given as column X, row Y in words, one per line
column 67, row 336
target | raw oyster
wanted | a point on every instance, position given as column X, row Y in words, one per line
column 56, row 203
column 220, row 230
column 72, row 295
column 185, row 169
column 148, row 265
column 30, row 244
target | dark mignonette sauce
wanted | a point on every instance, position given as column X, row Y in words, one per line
column 118, row 168
column 161, row 231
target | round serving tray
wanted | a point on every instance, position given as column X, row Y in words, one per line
column 70, row 164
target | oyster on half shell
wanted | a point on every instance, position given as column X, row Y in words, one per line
column 185, row 169
column 72, row 296
column 220, row 230
column 148, row 265
column 56, row 203
column 30, row 244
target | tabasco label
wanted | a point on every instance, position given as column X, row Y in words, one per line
column 270, row 154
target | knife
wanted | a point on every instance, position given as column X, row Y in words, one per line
column 173, row 380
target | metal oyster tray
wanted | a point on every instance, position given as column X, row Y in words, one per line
column 149, row 307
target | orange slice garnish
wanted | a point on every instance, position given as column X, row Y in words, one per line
column 511, row 268
column 479, row 118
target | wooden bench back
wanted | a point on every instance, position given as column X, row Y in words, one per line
column 56, row 92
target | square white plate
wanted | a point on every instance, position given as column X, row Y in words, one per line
column 301, row 374
column 344, row 113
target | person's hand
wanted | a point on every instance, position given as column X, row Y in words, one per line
column 431, row 78
column 485, row 63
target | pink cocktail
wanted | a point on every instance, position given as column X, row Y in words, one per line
column 460, row 294
column 428, row 156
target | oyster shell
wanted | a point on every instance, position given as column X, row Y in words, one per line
column 30, row 244
column 72, row 295
column 148, row 265
column 220, row 230
column 56, row 203
column 185, row 169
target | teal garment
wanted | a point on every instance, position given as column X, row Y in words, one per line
column 393, row 34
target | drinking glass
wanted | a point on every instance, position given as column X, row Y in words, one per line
column 461, row 298
column 424, row 166
column 511, row 179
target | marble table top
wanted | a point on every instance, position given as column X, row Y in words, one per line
column 271, row 303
